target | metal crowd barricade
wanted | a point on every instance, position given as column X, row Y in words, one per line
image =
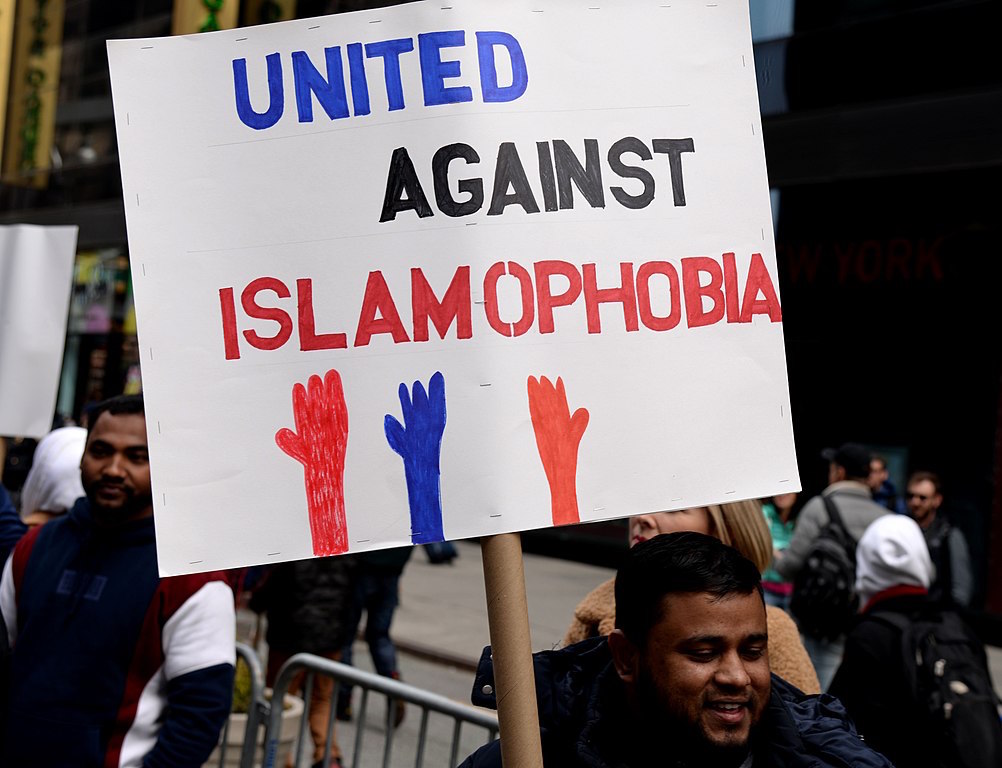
column 391, row 690
column 256, row 711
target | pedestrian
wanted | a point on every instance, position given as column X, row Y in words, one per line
column 883, row 490
column 780, row 516
column 376, row 594
column 954, row 581
column 308, row 604
column 53, row 482
column 945, row 718
column 740, row 525
column 683, row 680
column 113, row 665
column 849, row 495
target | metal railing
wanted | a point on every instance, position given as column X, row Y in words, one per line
column 392, row 690
column 257, row 710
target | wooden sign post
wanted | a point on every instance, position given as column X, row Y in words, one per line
column 511, row 647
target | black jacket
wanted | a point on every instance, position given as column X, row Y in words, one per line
column 585, row 721
column 873, row 683
column 308, row 604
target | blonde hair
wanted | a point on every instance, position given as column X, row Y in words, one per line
column 742, row 525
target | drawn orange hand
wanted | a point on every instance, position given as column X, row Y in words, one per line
column 558, row 435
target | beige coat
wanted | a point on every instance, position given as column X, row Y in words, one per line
column 596, row 615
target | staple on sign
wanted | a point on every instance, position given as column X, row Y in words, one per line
column 159, row 432
column 362, row 541
column 240, row 39
column 375, row 21
column 316, row 27
column 272, row 554
column 495, row 515
column 728, row 493
column 598, row 509
column 195, row 562
column 485, row 385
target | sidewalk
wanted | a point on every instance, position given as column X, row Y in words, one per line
column 443, row 608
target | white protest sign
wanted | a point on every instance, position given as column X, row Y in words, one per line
column 36, row 276
column 445, row 271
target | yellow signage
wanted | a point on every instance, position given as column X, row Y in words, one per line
column 191, row 16
column 6, row 38
column 34, row 91
column 267, row 11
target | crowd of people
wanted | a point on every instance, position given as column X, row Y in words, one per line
column 756, row 633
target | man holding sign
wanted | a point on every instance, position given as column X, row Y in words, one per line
column 684, row 678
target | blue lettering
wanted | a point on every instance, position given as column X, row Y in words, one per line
column 359, row 86
column 434, row 70
column 488, row 71
column 389, row 51
column 276, row 94
column 330, row 92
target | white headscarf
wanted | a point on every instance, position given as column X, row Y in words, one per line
column 891, row 553
column 53, row 482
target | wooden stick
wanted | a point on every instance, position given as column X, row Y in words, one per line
column 511, row 647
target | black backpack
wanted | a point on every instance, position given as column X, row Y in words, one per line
column 824, row 590
column 946, row 670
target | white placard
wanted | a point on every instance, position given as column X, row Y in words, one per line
column 36, row 277
column 543, row 229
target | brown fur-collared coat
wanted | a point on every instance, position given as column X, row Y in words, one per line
column 596, row 615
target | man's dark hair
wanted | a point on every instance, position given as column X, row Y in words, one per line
column 677, row 563
column 116, row 406
column 932, row 477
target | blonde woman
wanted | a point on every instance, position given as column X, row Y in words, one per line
column 740, row 525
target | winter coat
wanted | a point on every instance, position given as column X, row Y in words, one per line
column 872, row 681
column 596, row 615
column 585, row 720
column 308, row 604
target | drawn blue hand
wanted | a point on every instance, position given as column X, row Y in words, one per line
column 419, row 444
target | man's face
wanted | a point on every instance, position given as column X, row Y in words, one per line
column 878, row 474
column 115, row 469
column 705, row 669
column 923, row 502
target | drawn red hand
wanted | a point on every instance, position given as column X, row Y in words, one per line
column 319, row 444
column 558, row 435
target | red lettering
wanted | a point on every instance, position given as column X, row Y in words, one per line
column 227, row 307
column 928, row 257
column 455, row 305
column 899, row 254
column 869, row 261
column 546, row 299
column 804, row 262
column 692, row 268
column 843, row 260
column 647, row 316
column 625, row 295
column 248, row 301
column 308, row 337
column 731, row 289
column 491, row 299
column 379, row 313
column 758, row 282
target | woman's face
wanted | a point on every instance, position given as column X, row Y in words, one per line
column 644, row 527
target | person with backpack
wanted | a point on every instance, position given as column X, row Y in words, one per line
column 820, row 559
column 914, row 677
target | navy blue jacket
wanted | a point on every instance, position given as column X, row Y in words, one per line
column 112, row 665
column 585, row 720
